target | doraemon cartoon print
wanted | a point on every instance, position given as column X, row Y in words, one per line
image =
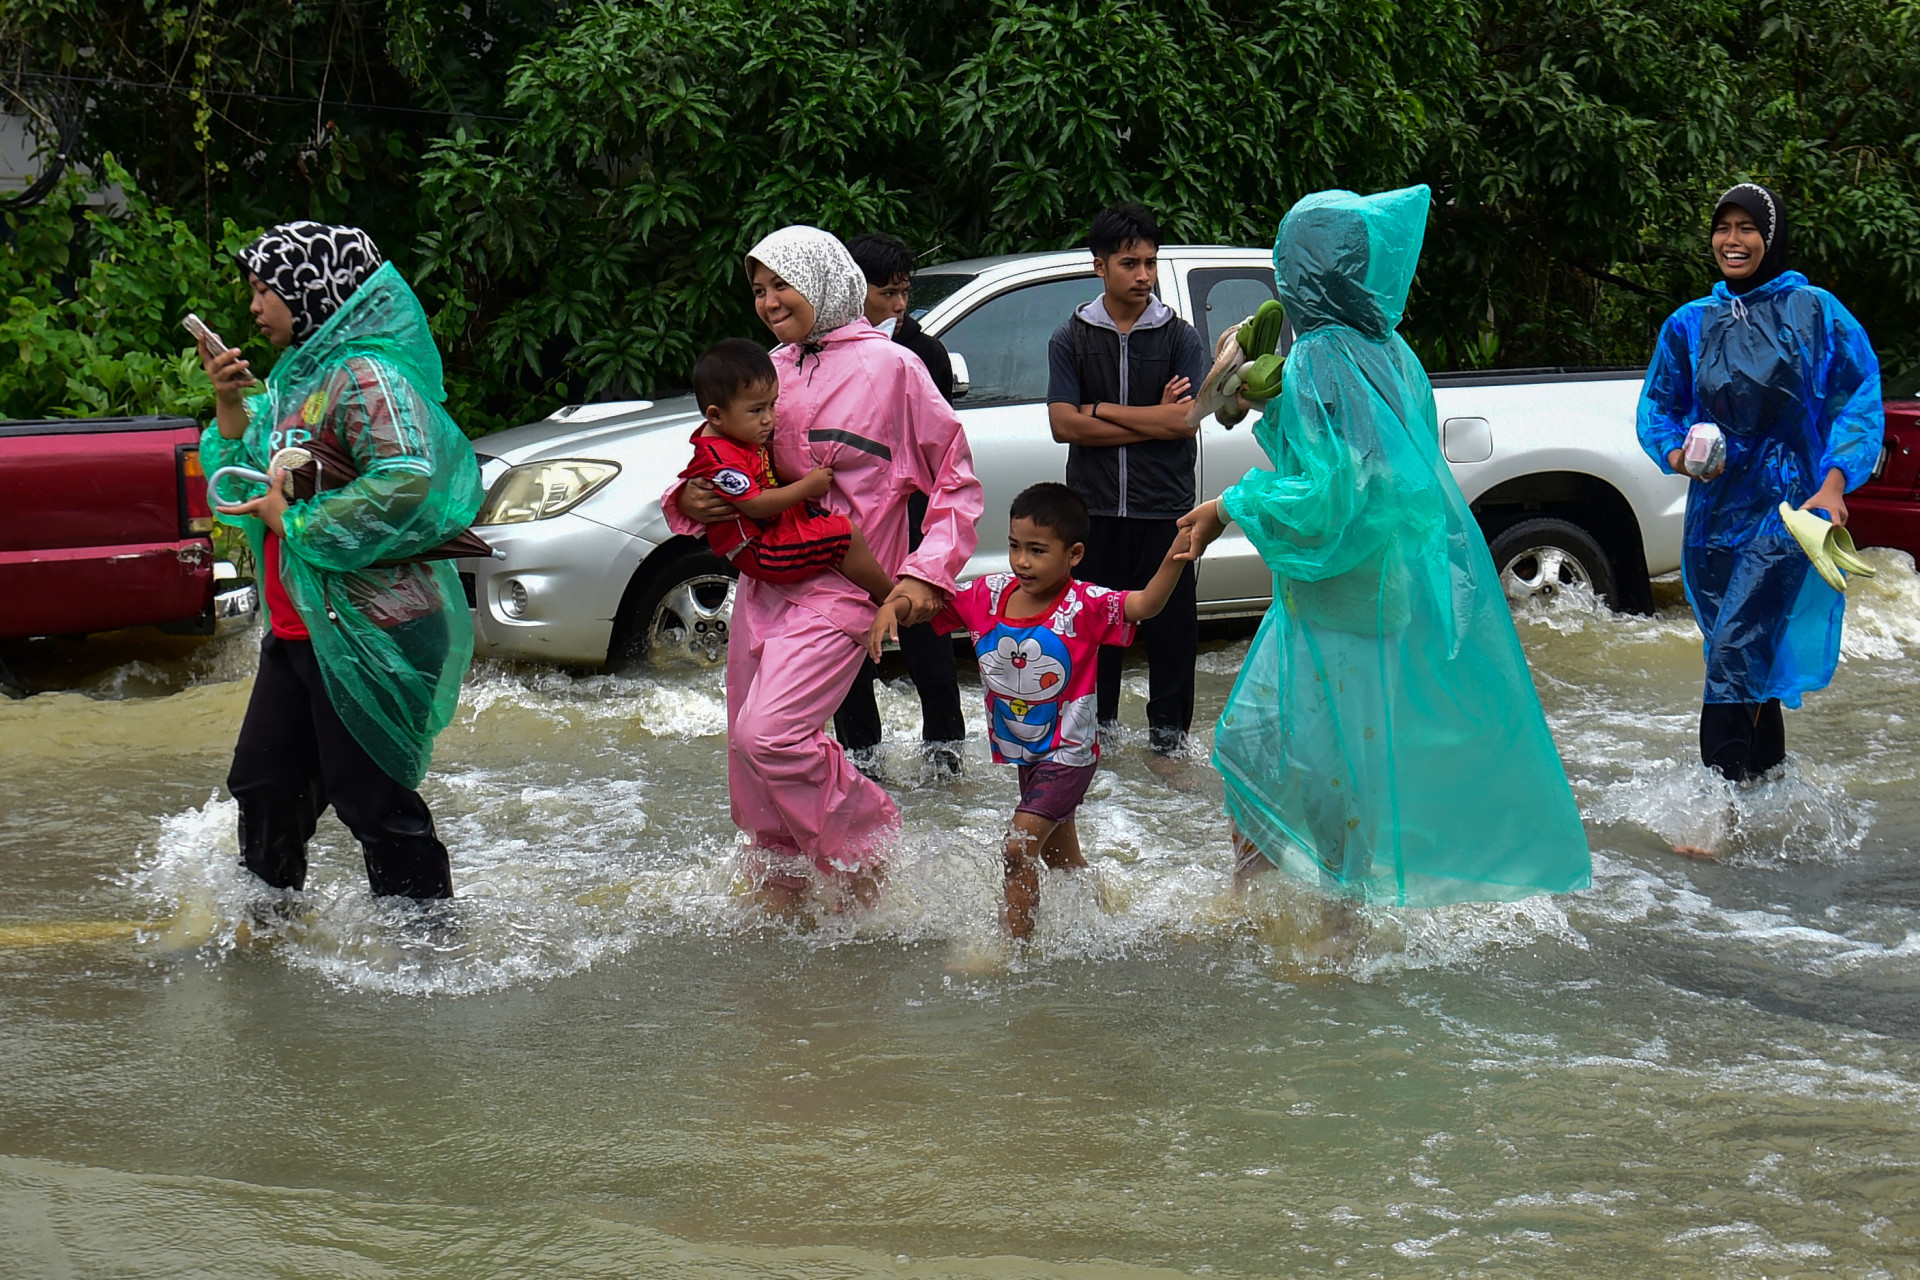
column 1025, row 670
column 1039, row 672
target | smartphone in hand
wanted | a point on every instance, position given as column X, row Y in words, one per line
column 194, row 325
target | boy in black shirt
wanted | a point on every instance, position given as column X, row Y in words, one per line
column 1121, row 371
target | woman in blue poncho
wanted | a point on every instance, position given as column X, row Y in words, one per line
column 1384, row 740
column 1788, row 376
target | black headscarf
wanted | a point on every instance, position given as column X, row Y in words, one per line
column 312, row 267
column 1769, row 213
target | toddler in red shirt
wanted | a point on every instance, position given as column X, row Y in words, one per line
column 778, row 535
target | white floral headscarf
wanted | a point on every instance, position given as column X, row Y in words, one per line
column 816, row 264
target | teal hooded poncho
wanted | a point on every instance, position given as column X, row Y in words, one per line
column 1384, row 740
column 393, row 639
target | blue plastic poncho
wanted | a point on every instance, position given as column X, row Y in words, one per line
column 1384, row 739
column 393, row 640
column 1789, row 377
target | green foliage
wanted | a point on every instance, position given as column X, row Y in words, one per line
column 572, row 186
column 597, row 244
column 95, row 302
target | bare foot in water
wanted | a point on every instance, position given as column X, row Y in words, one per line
column 862, row 890
column 980, row 957
column 780, row 897
column 1696, row 852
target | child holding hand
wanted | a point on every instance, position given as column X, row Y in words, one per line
column 778, row 535
column 1037, row 633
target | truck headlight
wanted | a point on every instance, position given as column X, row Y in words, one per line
column 537, row 490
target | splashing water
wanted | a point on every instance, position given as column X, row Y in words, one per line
column 586, row 813
column 601, row 1051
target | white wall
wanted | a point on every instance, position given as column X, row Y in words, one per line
column 21, row 165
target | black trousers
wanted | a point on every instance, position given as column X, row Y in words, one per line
column 1125, row 553
column 929, row 662
column 1742, row 740
column 295, row 757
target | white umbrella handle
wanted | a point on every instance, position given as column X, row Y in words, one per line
column 291, row 458
column 245, row 473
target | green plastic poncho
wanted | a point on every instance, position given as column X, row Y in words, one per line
column 1384, row 740
column 393, row 640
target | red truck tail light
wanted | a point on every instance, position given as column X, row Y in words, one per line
column 195, row 515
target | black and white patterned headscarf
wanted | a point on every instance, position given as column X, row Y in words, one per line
column 312, row 267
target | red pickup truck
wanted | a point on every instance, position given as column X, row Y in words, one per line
column 104, row 524
column 1885, row 511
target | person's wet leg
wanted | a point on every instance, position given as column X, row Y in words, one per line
column 1769, row 745
column 276, row 775
column 404, row 856
column 1726, row 738
column 1027, row 836
column 1106, row 565
column 857, row 723
column 1172, row 642
column 790, row 777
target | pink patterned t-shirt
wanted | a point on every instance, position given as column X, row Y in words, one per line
column 1041, row 672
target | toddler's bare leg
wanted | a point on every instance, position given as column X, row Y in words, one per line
column 860, row 568
column 1028, row 835
column 1062, row 849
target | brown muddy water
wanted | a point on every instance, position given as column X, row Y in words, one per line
column 599, row 1062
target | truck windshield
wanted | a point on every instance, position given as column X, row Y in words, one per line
column 1901, row 386
column 930, row 287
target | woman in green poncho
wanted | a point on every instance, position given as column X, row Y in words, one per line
column 1384, row 740
column 365, row 651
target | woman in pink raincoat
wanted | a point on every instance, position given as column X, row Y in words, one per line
column 852, row 400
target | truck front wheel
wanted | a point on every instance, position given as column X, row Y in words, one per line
column 1544, row 557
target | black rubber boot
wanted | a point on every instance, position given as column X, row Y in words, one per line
column 406, row 859
column 274, row 830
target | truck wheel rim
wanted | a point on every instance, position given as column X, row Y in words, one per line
column 1542, row 571
column 691, row 622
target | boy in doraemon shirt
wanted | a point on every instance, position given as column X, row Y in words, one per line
column 1037, row 633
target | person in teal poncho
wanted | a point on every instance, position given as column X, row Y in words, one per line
column 1383, row 741
column 366, row 648
column 1787, row 374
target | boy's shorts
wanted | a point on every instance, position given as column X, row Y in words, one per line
column 1053, row 791
column 800, row 543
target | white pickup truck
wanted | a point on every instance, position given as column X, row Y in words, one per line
column 588, row 572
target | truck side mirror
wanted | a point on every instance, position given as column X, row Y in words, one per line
column 961, row 382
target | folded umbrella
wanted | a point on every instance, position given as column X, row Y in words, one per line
column 321, row 465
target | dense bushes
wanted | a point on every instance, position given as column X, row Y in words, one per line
column 94, row 306
column 572, row 186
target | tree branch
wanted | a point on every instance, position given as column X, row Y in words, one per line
column 1607, row 277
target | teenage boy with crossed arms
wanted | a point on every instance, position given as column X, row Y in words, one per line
column 1121, row 371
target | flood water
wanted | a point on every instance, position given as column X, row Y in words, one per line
column 599, row 1061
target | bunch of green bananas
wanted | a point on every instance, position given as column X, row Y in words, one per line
column 1260, row 379
column 1260, row 334
column 1246, row 369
